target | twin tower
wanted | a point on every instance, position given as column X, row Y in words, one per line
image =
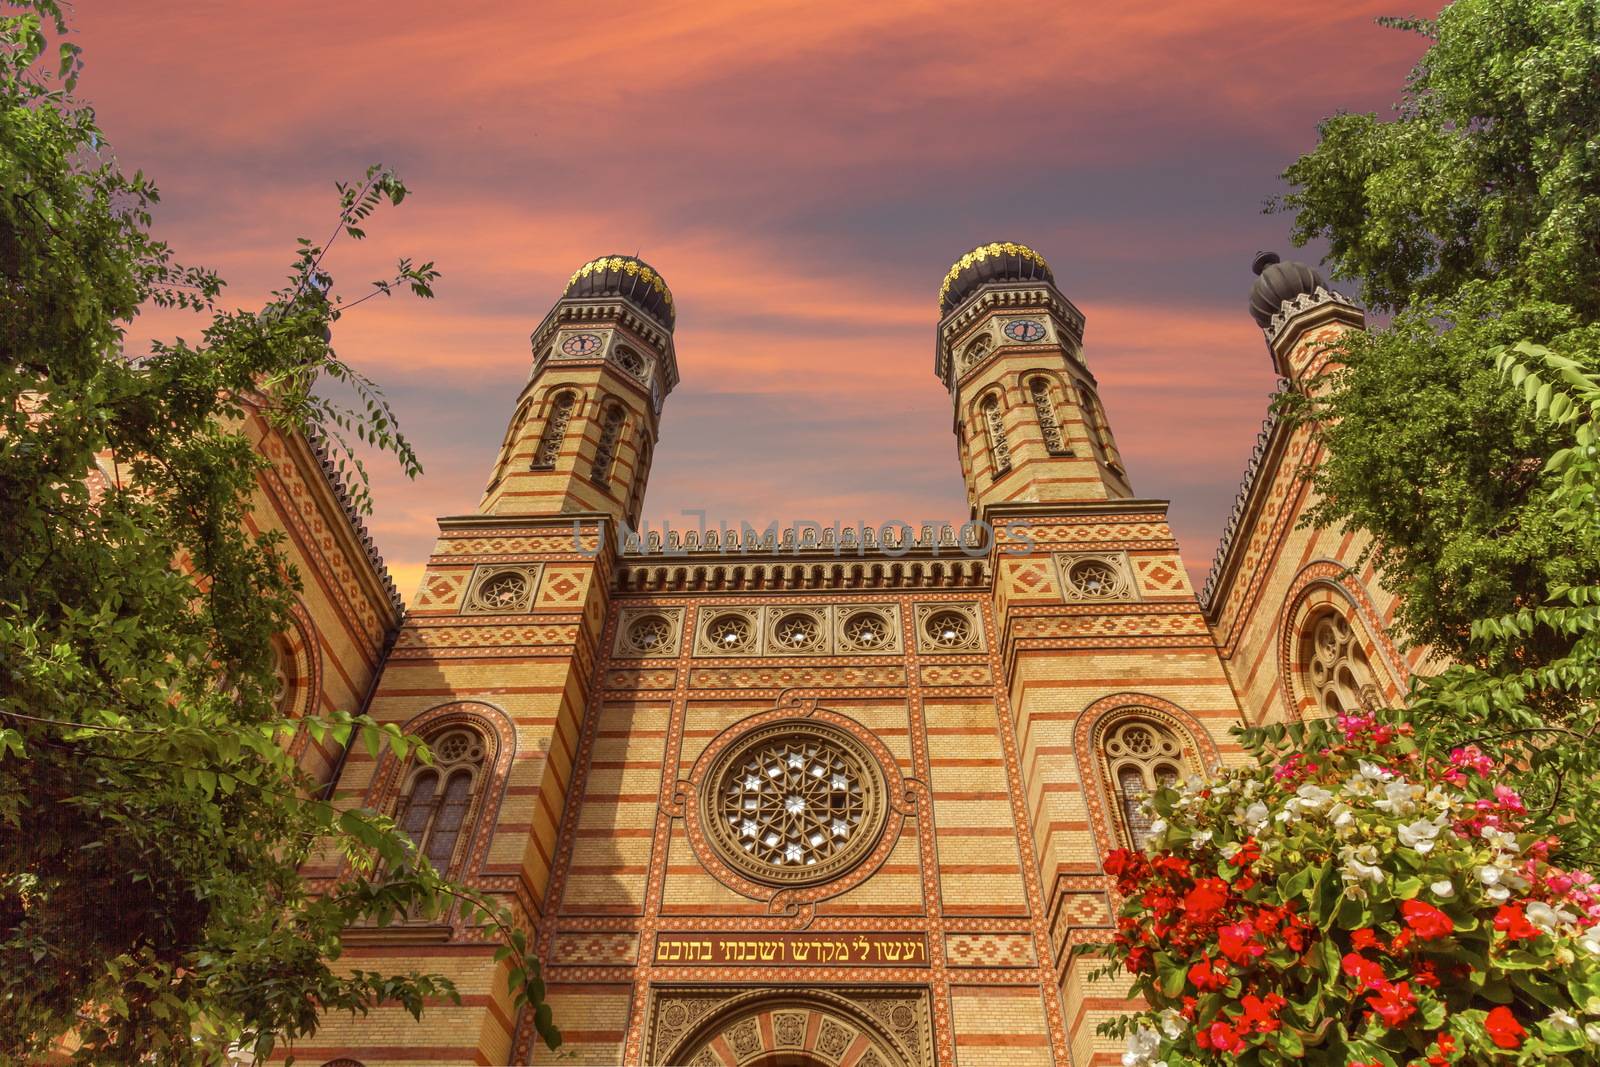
column 1027, row 415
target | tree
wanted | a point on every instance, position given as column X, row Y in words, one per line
column 1473, row 218
column 152, row 824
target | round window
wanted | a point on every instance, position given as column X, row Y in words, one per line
column 866, row 631
column 1096, row 579
column 730, row 633
column 797, row 631
column 503, row 591
column 948, row 629
column 794, row 802
column 649, row 634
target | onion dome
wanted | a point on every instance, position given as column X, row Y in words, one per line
column 625, row 276
column 998, row 262
column 1278, row 282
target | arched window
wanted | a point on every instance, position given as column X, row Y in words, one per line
column 611, row 420
column 1140, row 756
column 976, row 351
column 994, row 424
column 1055, row 442
column 1099, row 431
column 437, row 802
column 641, row 470
column 1337, row 675
column 555, row 430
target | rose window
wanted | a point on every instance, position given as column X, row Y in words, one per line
column 794, row 802
column 506, row 590
column 459, row 745
column 866, row 630
column 730, row 633
column 948, row 629
column 1095, row 579
column 1340, row 678
column 798, row 631
column 650, row 633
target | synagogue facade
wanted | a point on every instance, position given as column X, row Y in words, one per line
column 836, row 797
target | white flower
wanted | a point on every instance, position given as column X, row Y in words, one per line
column 1590, row 940
column 1560, row 1020
column 1142, row 1046
column 1591, row 1031
column 1158, row 827
column 1356, row 871
column 1256, row 815
column 1312, row 797
column 1343, row 817
column 1172, row 1024
column 1229, row 850
column 1397, row 797
column 1443, row 889
column 1200, row 839
column 1489, row 875
column 1498, row 893
column 1419, row 835
column 1373, row 773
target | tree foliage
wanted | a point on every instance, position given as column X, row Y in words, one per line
column 1473, row 216
column 152, row 823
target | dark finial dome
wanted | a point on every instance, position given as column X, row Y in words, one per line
column 626, row 276
column 1277, row 282
column 998, row 262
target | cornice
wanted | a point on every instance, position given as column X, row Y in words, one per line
column 316, row 451
column 611, row 311
column 1263, row 457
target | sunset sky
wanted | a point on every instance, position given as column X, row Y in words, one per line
column 801, row 174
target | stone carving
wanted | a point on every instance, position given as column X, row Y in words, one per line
column 949, row 628
column 1095, row 576
column 501, row 590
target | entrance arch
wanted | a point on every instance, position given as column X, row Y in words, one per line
column 770, row 1028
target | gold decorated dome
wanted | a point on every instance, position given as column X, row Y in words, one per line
column 626, row 276
column 1000, row 261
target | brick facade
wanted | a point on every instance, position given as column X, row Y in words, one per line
column 963, row 683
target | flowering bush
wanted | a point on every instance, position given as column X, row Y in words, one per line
column 1359, row 903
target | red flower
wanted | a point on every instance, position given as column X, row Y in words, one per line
column 1202, row 903
column 1237, row 942
column 1260, row 1013
column 1207, row 977
column 1367, row 973
column 1118, row 861
column 1221, row 1037
column 1425, row 920
column 1446, row 1045
column 1393, row 1003
column 1513, row 922
column 1363, row 939
column 1504, row 1030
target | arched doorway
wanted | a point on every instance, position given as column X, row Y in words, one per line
column 771, row 1028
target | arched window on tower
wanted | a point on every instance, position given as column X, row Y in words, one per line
column 995, row 426
column 1099, row 429
column 1334, row 667
column 1044, row 409
column 555, row 430
column 641, row 471
column 977, row 351
column 1140, row 757
column 605, row 453
column 438, row 803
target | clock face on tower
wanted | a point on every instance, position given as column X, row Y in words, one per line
column 1024, row 330
column 581, row 344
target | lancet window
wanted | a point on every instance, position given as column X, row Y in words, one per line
column 555, row 430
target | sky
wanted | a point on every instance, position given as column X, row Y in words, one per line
column 801, row 174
